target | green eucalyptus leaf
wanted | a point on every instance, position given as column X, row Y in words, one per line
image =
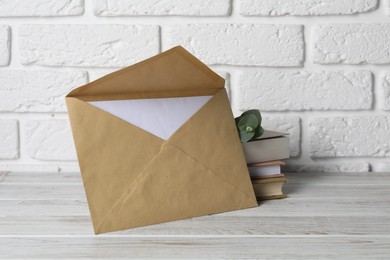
column 242, row 128
column 254, row 112
column 259, row 131
column 249, row 125
column 248, row 120
column 246, row 136
column 237, row 119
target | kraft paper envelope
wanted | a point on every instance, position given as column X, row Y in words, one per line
column 157, row 142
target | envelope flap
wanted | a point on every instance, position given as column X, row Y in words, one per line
column 211, row 138
column 172, row 71
column 111, row 154
column 173, row 186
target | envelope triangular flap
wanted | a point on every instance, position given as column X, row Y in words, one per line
column 173, row 73
column 211, row 137
column 173, row 186
column 107, row 158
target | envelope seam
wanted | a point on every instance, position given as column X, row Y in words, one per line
column 136, row 180
column 168, row 143
column 138, row 177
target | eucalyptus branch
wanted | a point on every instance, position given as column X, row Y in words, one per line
column 249, row 125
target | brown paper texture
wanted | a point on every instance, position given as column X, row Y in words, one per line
column 133, row 178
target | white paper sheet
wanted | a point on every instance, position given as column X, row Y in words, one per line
column 159, row 116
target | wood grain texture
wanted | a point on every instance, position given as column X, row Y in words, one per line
column 327, row 215
column 295, row 177
column 196, row 247
column 294, row 190
column 40, row 177
column 285, row 207
column 208, row 225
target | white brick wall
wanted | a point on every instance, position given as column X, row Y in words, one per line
column 20, row 8
column 9, row 139
column 87, row 45
column 350, row 136
column 49, row 140
column 305, row 7
column 37, row 90
column 303, row 90
column 385, row 91
column 162, row 7
column 313, row 68
column 352, row 44
column 269, row 45
column 5, row 38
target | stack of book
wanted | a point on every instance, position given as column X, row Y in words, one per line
column 263, row 156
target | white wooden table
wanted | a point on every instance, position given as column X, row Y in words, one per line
column 328, row 215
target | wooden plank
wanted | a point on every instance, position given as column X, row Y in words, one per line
column 351, row 178
column 196, row 248
column 3, row 175
column 314, row 207
column 66, row 207
column 40, row 177
column 303, row 190
column 341, row 191
column 327, row 216
column 207, row 225
column 284, row 207
column 41, row 191
column 301, row 177
column 331, row 175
